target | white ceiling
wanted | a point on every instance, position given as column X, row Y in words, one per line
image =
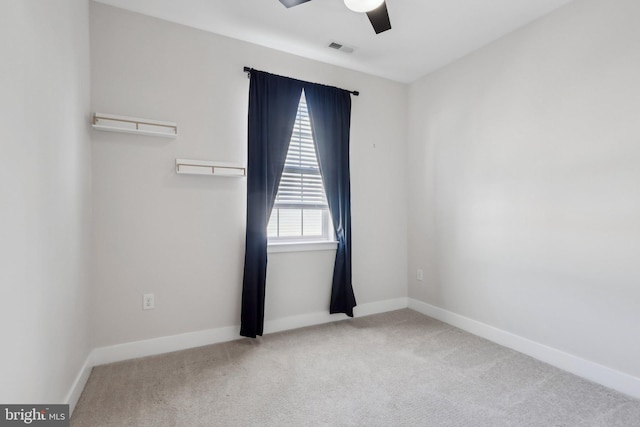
column 426, row 34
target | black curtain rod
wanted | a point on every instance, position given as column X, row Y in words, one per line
column 353, row 92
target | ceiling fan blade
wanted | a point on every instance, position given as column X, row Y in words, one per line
column 379, row 18
column 291, row 3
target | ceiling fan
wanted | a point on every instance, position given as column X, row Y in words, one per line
column 376, row 10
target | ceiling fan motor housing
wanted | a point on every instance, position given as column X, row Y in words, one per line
column 376, row 11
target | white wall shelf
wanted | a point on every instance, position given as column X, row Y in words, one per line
column 134, row 125
column 204, row 167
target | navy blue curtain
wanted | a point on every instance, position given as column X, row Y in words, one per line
column 273, row 104
column 330, row 114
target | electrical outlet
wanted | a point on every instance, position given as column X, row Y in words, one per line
column 420, row 274
column 148, row 302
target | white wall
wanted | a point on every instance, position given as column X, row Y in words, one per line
column 524, row 180
column 182, row 237
column 44, row 198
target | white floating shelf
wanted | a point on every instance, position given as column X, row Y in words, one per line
column 135, row 125
column 203, row 167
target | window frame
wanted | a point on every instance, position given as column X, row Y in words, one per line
column 302, row 121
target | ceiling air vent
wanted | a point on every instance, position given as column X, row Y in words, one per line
column 341, row 47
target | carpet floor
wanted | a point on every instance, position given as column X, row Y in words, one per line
column 392, row 369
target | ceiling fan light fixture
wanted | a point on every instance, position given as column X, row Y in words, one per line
column 363, row 5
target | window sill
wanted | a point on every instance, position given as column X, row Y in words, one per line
column 280, row 247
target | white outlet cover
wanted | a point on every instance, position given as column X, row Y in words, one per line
column 148, row 302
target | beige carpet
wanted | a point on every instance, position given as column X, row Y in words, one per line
column 393, row 369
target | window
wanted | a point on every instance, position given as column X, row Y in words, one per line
column 300, row 212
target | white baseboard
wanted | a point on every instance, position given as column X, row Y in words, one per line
column 380, row 307
column 155, row 346
column 608, row 377
column 78, row 385
column 150, row 347
column 300, row 321
column 592, row 371
column 318, row 318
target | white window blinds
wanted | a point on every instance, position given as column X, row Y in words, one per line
column 300, row 211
